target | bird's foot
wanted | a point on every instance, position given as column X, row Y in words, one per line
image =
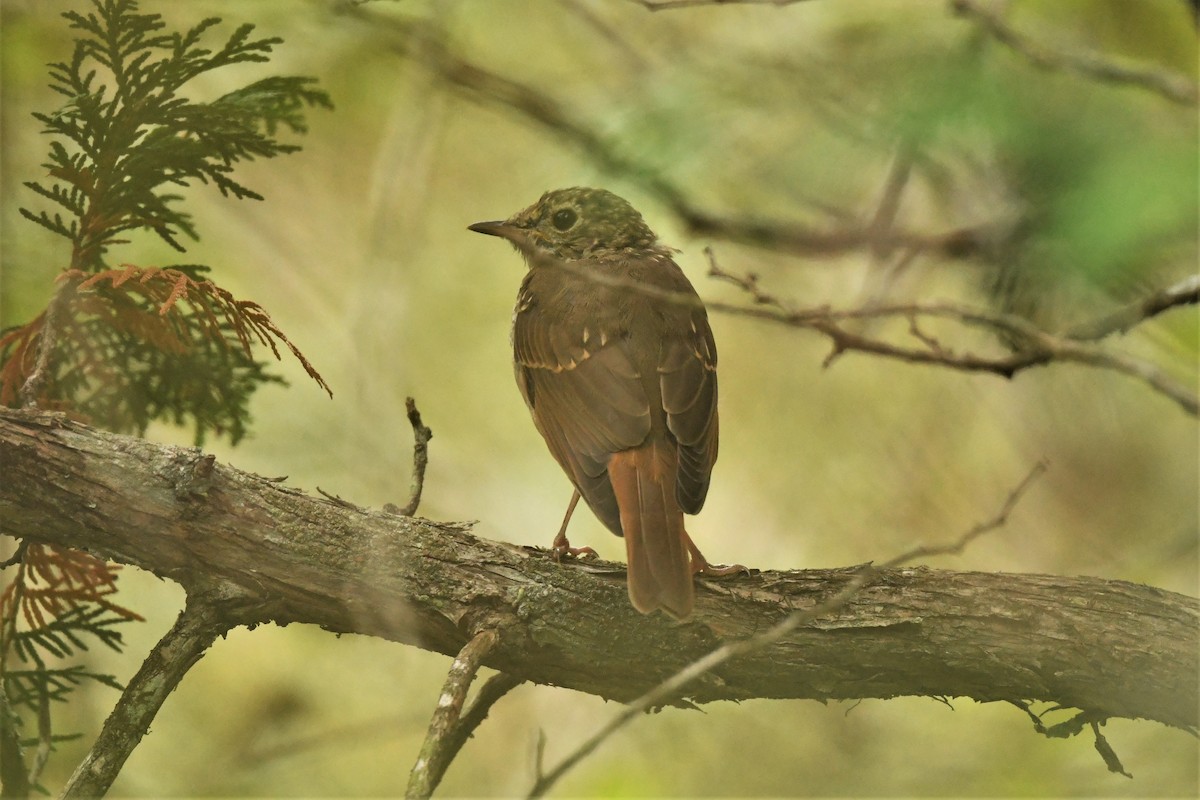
column 700, row 565
column 561, row 548
column 719, row 570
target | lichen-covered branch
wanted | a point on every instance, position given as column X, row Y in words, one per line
column 866, row 574
column 1115, row 648
column 442, row 739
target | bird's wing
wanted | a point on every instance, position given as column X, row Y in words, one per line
column 586, row 397
column 688, row 377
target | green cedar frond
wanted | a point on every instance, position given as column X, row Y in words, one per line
column 25, row 687
column 132, row 133
column 68, row 634
column 124, row 143
column 128, row 346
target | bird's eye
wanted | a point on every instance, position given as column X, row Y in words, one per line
column 564, row 218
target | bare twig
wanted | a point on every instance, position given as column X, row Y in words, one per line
column 421, row 436
column 1184, row 293
column 996, row 521
column 671, row 687
column 1073, row 727
column 1106, row 752
column 424, row 43
column 1030, row 346
column 45, row 741
column 48, row 342
column 337, row 500
column 668, row 5
column 441, row 741
column 884, row 219
column 14, row 778
column 882, row 275
column 931, row 342
column 17, row 555
column 1034, row 347
column 1174, row 87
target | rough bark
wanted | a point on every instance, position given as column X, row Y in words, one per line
column 1110, row 647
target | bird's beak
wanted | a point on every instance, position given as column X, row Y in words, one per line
column 517, row 235
column 497, row 228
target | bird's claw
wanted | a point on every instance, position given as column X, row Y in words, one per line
column 720, row 570
column 561, row 548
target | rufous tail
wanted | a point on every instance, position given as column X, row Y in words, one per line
column 656, row 545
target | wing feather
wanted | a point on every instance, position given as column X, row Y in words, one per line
column 688, row 377
column 587, row 401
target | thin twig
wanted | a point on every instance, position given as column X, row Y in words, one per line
column 426, row 44
column 1106, row 752
column 1035, row 347
column 335, row 499
column 1184, row 293
column 14, row 778
column 48, row 342
column 668, row 5
column 439, row 746
column 1172, row 86
column 421, row 436
column 882, row 275
column 17, row 555
column 884, row 219
column 996, row 521
column 45, row 743
column 671, row 687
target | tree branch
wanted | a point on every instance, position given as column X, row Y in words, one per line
column 442, row 739
column 198, row 626
column 1030, row 346
column 1025, row 344
column 865, row 576
column 425, row 44
column 1184, row 293
column 669, row 5
column 1172, row 86
column 1109, row 647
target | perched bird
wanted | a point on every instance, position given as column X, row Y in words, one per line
column 614, row 356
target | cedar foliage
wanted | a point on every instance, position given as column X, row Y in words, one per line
column 170, row 345
column 122, row 346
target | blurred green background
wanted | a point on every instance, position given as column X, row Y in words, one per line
column 361, row 255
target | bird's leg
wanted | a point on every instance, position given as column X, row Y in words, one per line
column 700, row 565
column 561, row 547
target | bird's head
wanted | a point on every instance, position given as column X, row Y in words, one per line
column 574, row 223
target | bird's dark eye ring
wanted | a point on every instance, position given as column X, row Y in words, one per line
column 564, row 218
